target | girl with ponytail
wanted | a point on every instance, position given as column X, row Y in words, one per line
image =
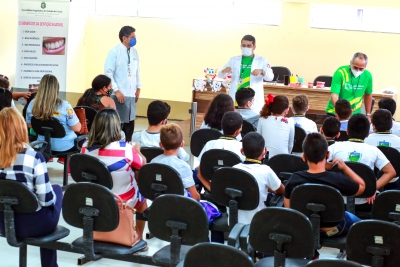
column 98, row 97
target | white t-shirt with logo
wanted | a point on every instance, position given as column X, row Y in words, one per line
column 225, row 144
column 377, row 139
column 266, row 178
column 358, row 152
column 308, row 125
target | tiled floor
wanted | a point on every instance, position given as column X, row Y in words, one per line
column 65, row 259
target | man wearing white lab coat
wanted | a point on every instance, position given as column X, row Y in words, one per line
column 122, row 67
column 248, row 70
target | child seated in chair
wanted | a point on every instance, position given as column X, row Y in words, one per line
column 157, row 115
column 315, row 153
column 300, row 107
column 277, row 130
column 254, row 150
column 389, row 104
column 330, row 129
column 245, row 100
column 356, row 150
column 231, row 125
column 343, row 112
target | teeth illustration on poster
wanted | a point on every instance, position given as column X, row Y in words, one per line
column 42, row 42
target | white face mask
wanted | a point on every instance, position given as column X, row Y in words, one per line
column 356, row 73
column 246, row 51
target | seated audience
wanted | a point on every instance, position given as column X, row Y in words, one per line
column 221, row 104
column 330, row 129
column 19, row 162
column 382, row 123
column 5, row 83
column 47, row 106
column 300, row 107
column 245, row 100
column 343, row 112
column 254, row 150
column 390, row 104
column 277, row 130
column 157, row 115
column 315, row 153
column 5, row 98
column 231, row 125
column 356, row 150
column 98, row 97
column 121, row 159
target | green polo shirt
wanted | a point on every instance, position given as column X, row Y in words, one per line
column 245, row 71
column 351, row 88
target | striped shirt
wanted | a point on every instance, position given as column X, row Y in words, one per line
column 121, row 159
column 30, row 169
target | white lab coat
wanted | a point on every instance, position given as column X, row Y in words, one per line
column 256, row 82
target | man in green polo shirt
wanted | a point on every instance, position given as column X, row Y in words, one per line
column 353, row 83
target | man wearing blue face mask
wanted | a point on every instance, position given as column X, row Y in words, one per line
column 122, row 67
column 248, row 70
column 353, row 83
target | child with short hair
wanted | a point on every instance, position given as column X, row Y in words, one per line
column 157, row 115
column 171, row 140
column 231, row 125
column 245, row 100
column 330, row 129
column 356, row 150
column 300, row 107
column 254, row 150
column 277, row 130
column 315, row 153
column 343, row 112
column 390, row 104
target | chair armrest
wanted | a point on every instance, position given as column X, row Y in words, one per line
column 233, row 238
column 285, row 175
column 36, row 143
column 243, row 238
column 276, row 201
column 78, row 142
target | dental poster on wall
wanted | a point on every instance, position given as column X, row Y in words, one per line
column 42, row 42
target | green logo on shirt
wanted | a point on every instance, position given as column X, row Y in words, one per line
column 383, row 143
column 354, row 156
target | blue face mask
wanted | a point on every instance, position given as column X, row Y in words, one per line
column 132, row 42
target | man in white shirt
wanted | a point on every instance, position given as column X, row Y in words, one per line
column 300, row 107
column 122, row 67
column 248, row 70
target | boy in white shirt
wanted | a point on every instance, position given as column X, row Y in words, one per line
column 245, row 100
column 330, row 129
column 157, row 115
column 389, row 104
column 343, row 112
column 231, row 125
column 299, row 108
column 254, row 150
column 356, row 150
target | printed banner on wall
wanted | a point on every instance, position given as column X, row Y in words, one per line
column 42, row 42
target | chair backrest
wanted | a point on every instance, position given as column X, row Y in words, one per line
column 323, row 78
column 200, row 138
column 333, row 263
column 386, row 206
column 216, row 255
column 26, row 199
column 247, row 128
column 369, row 237
column 323, row 195
column 280, row 72
column 285, row 164
column 156, row 179
column 82, row 199
column 86, row 168
column 342, row 137
column 228, row 181
column 53, row 127
column 393, row 155
column 151, row 152
column 214, row 159
column 299, row 136
column 169, row 213
column 271, row 223
column 90, row 114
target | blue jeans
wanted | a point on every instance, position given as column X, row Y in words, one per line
column 343, row 227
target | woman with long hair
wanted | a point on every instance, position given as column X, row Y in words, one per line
column 98, row 97
column 19, row 162
column 121, row 158
column 47, row 106
column 277, row 130
column 221, row 104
